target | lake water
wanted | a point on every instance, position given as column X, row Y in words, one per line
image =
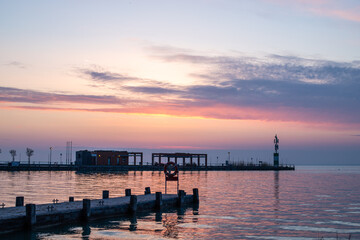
column 309, row 203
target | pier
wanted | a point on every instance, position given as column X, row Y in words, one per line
column 98, row 168
column 32, row 216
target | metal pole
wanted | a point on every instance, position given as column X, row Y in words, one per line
column 50, row 155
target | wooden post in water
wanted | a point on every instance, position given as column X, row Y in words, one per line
column 19, row 201
column 147, row 190
column 86, row 211
column 180, row 201
column 71, row 199
column 127, row 192
column 30, row 215
column 105, row 194
column 158, row 201
column 133, row 204
column 196, row 195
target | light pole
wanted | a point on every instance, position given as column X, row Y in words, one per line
column 50, row 155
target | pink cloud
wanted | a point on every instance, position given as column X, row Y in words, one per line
column 329, row 8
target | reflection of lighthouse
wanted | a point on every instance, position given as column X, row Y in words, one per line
column 276, row 154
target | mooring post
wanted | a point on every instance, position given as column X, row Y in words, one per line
column 196, row 195
column 105, row 194
column 127, row 192
column 133, row 204
column 30, row 215
column 158, row 201
column 181, row 195
column 147, row 190
column 19, row 201
column 86, row 209
column 71, row 199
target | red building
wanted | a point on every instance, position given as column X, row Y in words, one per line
column 106, row 157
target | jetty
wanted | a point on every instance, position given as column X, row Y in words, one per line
column 33, row 216
column 98, row 168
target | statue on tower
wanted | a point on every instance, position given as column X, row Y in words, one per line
column 276, row 141
column 276, row 154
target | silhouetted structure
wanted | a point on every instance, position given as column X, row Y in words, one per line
column 106, row 158
column 175, row 156
column 276, row 154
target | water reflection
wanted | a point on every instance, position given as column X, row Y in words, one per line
column 276, row 200
column 242, row 205
column 171, row 229
column 276, row 191
column 158, row 216
column 86, row 231
column 133, row 222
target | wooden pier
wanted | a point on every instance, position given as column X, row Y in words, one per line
column 32, row 216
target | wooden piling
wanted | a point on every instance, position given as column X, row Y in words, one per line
column 127, row 192
column 158, row 201
column 181, row 195
column 196, row 195
column 19, row 201
column 86, row 211
column 105, row 194
column 30, row 216
column 147, row 190
column 71, row 199
column 133, row 204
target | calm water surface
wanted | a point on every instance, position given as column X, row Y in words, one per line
column 309, row 203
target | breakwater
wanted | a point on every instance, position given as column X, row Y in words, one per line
column 32, row 216
column 63, row 167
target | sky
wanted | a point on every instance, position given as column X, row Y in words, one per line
column 204, row 75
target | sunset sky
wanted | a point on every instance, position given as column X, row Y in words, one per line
column 193, row 75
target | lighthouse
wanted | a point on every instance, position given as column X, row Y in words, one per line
column 276, row 154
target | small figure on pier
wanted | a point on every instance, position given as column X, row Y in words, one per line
column 50, row 208
column 2, row 205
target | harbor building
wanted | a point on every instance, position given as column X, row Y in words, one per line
column 193, row 159
column 107, row 158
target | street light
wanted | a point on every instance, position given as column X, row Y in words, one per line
column 50, row 155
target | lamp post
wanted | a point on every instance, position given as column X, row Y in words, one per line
column 50, row 155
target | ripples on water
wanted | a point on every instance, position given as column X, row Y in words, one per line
column 309, row 203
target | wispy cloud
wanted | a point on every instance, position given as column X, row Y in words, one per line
column 346, row 10
column 15, row 64
column 281, row 88
column 30, row 96
column 98, row 74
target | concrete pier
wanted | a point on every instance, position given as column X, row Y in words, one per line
column 32, row 216
column 45, row 167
